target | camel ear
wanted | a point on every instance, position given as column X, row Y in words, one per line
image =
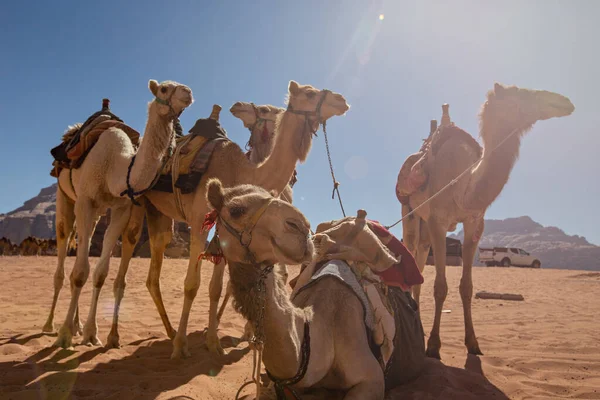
column 498, row 88
column 293, row 88
column 214, row 194
column 153, row 86
column 274, row 193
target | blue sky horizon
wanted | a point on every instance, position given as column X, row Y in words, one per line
column 60, row 59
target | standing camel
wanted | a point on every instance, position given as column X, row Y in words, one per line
column 508, row 113
column 111, row 168
column 307, row 109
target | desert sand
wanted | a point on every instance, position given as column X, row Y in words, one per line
column 545, row 347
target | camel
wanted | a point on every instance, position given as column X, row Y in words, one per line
column 6, row 247
column 508, row 113
column 322, row 328
column 307, row 109
column 49, row 247
column 260, row 121
column 111, row 169
column 30, row 246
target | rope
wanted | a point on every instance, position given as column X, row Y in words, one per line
column 175, row 175
column 336, row 184
column 452, row 182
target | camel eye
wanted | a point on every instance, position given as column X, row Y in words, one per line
column 237, row 212
column 310, row 95
column 163, row 89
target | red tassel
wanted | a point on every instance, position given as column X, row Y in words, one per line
column 209, row 221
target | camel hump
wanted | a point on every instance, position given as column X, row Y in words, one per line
column 216, row 111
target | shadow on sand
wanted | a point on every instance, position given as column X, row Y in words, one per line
column 145, row 372
column 148, row 371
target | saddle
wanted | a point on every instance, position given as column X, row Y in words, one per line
column 192, row 157
column 77, row 143
column 414, row 174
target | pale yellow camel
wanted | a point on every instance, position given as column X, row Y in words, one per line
column 307, row 108
column 111, row 167
column 329, row 312
column 508, row 113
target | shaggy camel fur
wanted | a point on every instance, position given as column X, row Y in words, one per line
column 293, row 140
column 508, row 113
column 340, row 357
column 87, row 192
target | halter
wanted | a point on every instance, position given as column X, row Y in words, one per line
column 245, row 236
column 172, row 114
column 260, row 122
column 173, row 117
column 316, row 113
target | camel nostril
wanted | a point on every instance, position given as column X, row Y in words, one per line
column 238, row 104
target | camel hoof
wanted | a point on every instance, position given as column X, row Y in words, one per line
column 180, row 348
column 91, row 340
column 475, row 351
column 48, row 328
column 64, row 339
column 214, row 346
column 433, row 353
column 112, row 342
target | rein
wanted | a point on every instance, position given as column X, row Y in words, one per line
column 320, row 121
column 174, row 117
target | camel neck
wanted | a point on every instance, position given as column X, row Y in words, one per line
column 283, row 323
column 492, row 173
column 155, row 143
column 292, row 143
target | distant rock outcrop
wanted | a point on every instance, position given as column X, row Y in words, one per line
column 550, row 244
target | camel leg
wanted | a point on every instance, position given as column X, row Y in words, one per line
column 118, row 221
column 410, row 237
column 422, row 254
column 466, row 282
column 191, row 285
column 86, row 214
column 65, row 219
column 437, row 233
column 160, row 230
column 225, row 300
column 215, row 288
column 130, row 237
column 77, row 323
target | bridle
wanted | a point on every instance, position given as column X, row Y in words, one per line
column 245, row 236
column 316, row 113
column 173, row 117
column 256, row 126
column 172, row 114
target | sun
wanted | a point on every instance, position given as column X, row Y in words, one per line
column 381, row 17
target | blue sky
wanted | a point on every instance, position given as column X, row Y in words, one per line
column 58, row 59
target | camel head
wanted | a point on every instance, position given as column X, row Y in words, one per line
column 305, row 98
column 276, row 230
column 526, row 105
column 260, row 120
column 171, row 98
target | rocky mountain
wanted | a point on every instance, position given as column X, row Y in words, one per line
column 36, row 218
column 550, row 244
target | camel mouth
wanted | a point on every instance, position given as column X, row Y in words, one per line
column 294, row 259
column 557, row 105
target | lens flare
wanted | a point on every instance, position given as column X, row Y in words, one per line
column 381, row 17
